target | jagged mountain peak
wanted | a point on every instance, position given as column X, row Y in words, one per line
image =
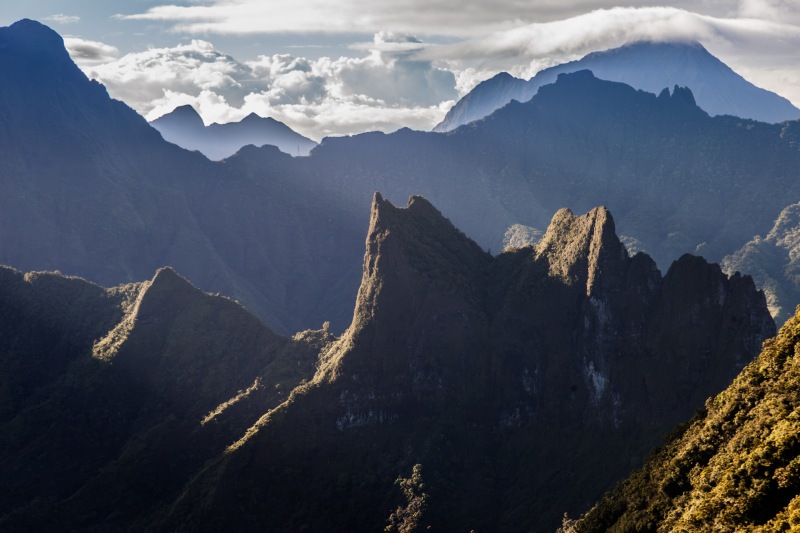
column 579, row 249
column 428, row 240
column 412, row 254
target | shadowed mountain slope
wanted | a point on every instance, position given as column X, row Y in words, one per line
column 733, row 467
column 507, row 379
column 650, row 66
column 677, row 180
column 113, row 398
column 184, row 127
column 89, row 188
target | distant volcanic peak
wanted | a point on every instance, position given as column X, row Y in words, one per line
column 577, row 248
column 665, row 44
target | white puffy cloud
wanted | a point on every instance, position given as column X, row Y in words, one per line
column 141, row 78
column 385, row 89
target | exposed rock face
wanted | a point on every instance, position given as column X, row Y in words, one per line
column 509, row 379
column 733, row 467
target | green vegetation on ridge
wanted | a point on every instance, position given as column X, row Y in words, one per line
column 734, row 467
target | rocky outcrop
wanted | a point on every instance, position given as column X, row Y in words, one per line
column 508, row 379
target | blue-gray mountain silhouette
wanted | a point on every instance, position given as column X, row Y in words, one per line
column 650, row 66
column 184, row 127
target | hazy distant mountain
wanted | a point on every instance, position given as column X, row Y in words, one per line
column 733, row 467
column 154, row 406
column 89, row 188
column 184, row 127
column 774, row 262
column 650, row 66
column 679, row 180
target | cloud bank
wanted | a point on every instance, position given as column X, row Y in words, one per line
column 397, row 79
column 385, row 89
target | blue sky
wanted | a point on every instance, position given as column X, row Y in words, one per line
column 331, row 68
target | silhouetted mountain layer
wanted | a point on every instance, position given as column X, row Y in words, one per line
column 650, row 66
column 113, row 398
column 678, row 180
column 89, row 188
column 733, row 467
column 184, row 127
column 507, row 379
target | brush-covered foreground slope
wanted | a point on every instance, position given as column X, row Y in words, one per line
column 646, row 65
column 113, row 398
column 734, row 467
column 89, row 188
column 184, row 127
column 507, row 379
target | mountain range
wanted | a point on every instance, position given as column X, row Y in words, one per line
column 646, row 65
column 506, row 379
column 89, row 188
column 468, row 390
column 184, row 127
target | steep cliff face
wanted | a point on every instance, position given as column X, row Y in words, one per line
column 508, row 379
column 733, row 467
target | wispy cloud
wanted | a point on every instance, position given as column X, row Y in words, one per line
column 429, row 17
column 60, row 18
column 88, row 53
column 761, row 47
